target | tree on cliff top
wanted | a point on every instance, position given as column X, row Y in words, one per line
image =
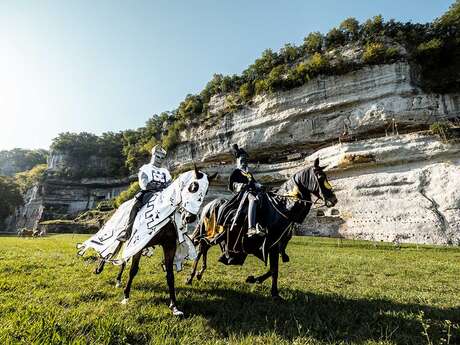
column 17, row 160
column 10, row 197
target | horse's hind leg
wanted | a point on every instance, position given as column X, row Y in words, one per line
column 194, row 267
column 274, row 261
column 259, row 279
column 132, row 273
column 120, row 273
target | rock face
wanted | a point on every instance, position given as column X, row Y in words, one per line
column 391, row 185
column 400, row 188
column 365, row 103
column 60, row 198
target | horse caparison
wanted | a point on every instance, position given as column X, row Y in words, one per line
column 167, row 239
column 307, row 182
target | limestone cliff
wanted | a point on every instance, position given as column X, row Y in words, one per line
column 392, row 185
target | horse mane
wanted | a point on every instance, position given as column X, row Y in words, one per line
column 302, row 179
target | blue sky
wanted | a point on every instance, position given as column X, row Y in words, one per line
column 109, row 65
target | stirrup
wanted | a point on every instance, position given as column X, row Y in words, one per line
column 255, row 231
column 123, row 236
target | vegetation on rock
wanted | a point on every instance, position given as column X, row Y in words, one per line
column 18, row 160
column 10, row 197
column 27, row 179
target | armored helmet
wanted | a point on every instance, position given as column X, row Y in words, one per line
column 158, row 155
column 241, row 157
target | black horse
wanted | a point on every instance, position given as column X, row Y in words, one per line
column 221, row 223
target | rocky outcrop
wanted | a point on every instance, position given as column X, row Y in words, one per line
column 370, row 102
column 393, row 180
column 61, row 198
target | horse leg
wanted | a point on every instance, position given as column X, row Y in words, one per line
column 204, row 265
column 169, row 253
column 194, row 267
column 120, row 273
column 274, row 258
column 259, row 279
column 100, row 267
column 132, row 273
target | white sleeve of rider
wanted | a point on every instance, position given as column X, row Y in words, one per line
column 167, row 175
column 143, row 178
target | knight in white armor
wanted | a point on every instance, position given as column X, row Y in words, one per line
column 152, row 179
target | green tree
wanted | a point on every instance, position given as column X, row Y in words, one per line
column 350, row 29
column 10, row 197
column 372, row 28
column 335, row 38
column 313, row 43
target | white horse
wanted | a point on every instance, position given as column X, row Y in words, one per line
column 162, row 221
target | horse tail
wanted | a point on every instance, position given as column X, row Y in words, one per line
column 200, row 229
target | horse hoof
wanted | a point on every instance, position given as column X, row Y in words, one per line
column 285, row 258
column 198, row 276
column 118, row 284
column 250, row 280
column 177, row 312
column 188, row 281
column 125, row 301
column 277, row 298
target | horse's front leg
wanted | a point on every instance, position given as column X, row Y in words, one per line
column 120, row 274
column 100, row 266
column 132, row 273
column 274, row 258
column 194, row 267
column 204, row 249
column 169, row 252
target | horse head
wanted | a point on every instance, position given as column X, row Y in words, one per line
column 322, row 189
column 194, row 185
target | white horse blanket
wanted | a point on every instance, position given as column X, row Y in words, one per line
column 161, row 209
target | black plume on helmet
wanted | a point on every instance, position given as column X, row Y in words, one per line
column 238, row 152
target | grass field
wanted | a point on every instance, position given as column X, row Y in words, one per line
column 349, row 292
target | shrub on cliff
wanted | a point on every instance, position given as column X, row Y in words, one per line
column 127, row 194
column 27, row 179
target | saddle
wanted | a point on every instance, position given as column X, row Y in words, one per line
column 227, row 225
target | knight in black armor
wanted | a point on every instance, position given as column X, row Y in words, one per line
column 152, row 179
column 242, row 180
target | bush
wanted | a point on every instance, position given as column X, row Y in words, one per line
column 27, row 179
column 441, row 129
column 127, row 194
column 374, row 53
column 246, row 91
column 318, row 64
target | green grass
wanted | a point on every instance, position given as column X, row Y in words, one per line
column 348, row 293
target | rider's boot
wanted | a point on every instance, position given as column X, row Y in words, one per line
column 256, row 231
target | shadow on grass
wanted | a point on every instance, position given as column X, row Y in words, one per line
column 330, row 318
